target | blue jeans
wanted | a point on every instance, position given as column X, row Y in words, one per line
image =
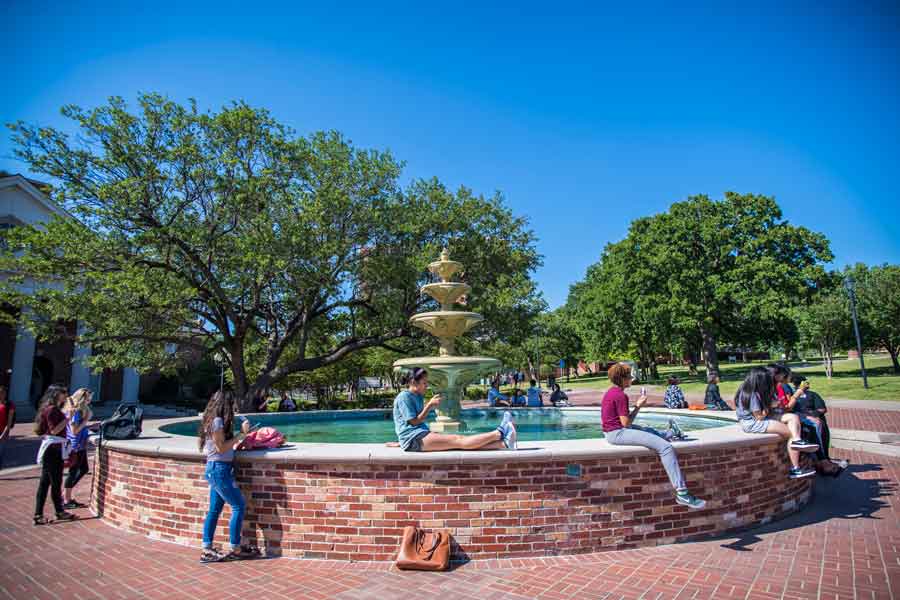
column 222, row 489
column 656, row 441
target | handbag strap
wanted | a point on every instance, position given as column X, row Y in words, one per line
column 420, row 543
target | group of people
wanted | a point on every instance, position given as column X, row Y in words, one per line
column 674, row 396
column 533, row 397
column 766, row 402
column 62, row 423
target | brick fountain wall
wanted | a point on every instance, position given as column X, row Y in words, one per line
column 494, row 510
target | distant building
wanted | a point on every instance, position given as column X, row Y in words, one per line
column 29, row 366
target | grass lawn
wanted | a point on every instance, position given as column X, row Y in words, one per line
column 846, row 382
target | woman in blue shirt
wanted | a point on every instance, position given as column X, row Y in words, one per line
column 411, row 411
column 78, row 409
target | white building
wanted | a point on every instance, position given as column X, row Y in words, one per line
column 28, row 366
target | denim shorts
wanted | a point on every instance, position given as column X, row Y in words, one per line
column 415, row 445
column 754, row 426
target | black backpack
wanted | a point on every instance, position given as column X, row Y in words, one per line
column 124, row 424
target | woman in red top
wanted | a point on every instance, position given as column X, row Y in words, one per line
column 7, row 419
column 618, row 425
column 50, row 422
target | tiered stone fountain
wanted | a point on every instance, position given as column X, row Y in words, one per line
column 448, row 373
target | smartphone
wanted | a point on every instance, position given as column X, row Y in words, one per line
column 643, row 391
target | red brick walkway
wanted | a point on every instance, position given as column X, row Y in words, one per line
column 846, row 544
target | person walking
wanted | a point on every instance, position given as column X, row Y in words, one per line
column 78, row 413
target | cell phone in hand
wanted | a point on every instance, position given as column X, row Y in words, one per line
column 643, row 391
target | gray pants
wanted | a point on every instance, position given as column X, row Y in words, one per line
column 654, row 440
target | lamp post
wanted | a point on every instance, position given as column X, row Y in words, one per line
column 220, row 360
column 851, row 291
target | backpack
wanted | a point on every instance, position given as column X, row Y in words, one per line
column 124, row 424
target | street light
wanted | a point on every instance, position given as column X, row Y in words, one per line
column 219, row 359
column 851, row 291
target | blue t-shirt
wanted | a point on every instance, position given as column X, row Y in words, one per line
column 534, row 396
column 77, row 441
column 408, row 406
column 493, row 396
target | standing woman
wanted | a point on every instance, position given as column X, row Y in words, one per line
column 218, row 443
column 7, row 419
column 78, row 411
column 50, row 424
column 620, row 430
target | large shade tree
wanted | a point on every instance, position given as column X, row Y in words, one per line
column 728, row 270
column 878, row 291
column 228, row 232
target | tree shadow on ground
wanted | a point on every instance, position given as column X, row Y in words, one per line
column 847, row 497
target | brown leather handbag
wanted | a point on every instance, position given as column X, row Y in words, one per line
column 421, row 551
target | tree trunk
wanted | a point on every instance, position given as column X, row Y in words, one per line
column 654, row 370
column 710, row 351
column 893, row 352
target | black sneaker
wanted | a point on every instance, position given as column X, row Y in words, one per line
column 804, row 446
column 800, row 473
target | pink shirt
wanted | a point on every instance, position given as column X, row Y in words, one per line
column 613, row 405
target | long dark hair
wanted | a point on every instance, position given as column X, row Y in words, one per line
column 221, row 405
column 758, row 381
column 416, row 374
column 47, row 399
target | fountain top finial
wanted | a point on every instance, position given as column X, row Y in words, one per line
column 445, row 254
column 445, row 268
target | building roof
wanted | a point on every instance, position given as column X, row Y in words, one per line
column 30, row 187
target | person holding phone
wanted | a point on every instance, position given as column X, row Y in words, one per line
column 413, row 434
column 620, row 430
column 218, row 443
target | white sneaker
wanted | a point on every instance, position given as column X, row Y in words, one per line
column 509, row 435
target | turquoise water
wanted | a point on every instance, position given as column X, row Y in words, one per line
column 368, row 427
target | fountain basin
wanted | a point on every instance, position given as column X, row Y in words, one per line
column 350, row 501
column 446, row 323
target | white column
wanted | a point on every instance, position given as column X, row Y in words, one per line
column 131, row 384
column 20, row 384
column 81, row 375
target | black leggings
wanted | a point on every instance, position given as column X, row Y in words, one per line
column 78, row 469
column 51, row 478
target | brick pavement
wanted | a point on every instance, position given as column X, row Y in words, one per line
column 846, row 544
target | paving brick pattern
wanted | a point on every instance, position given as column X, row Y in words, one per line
column 494, row 510
column 845, row 545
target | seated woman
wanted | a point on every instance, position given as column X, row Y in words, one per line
column 753, row 405
column 517, row 398
column 620, row 430
column 674, row 397
column 558, row 397
column 411, row 411
column 713, row 399
column 810, row 407
column 495, row 398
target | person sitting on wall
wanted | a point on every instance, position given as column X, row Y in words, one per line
column 620, row 430
column 674, row 397
column 753, row 403
column 518, row 398
column 413, row 434
column 558, row 397
column 713, row 399
column 534, row 396
column 495, row 398
column 287, row 404
column 810, row 407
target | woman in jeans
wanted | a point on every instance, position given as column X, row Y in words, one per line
column 78, row 411
column 218, row 443
column 618, row 425
column 50, row 424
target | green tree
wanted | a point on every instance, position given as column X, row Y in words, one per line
column 824, row 324
column 878, row 292
column 227, row 231
column 729, row 267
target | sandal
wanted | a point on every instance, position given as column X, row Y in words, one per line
column 74, row 504
column 211, row 555
column 244, row 552
column 40, row 520
column 65, row 516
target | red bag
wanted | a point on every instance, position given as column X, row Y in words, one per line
column 264, row 437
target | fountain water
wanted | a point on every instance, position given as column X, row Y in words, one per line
column 448, row 373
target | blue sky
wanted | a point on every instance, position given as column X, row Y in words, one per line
column 584, row 116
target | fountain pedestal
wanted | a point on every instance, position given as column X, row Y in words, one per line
column 448, row 374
